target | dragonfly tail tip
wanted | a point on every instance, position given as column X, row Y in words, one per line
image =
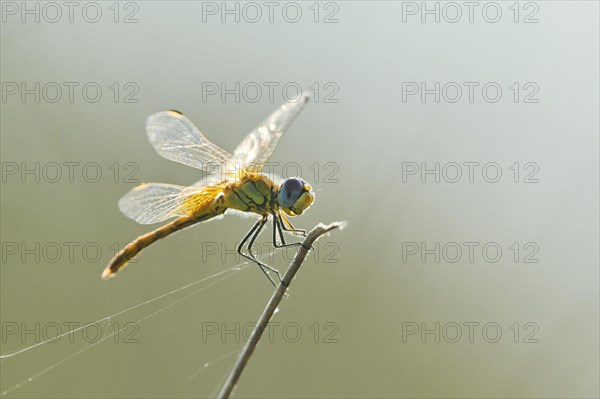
column 107, row 274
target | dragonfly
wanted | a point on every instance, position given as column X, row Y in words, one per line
column 234, row 183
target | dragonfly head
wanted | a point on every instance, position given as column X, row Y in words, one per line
column 294, row 196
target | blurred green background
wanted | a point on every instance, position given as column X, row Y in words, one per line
column 354, row 323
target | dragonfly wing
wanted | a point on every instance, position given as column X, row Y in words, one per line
column 210, row 180
column 196, row 199
column 176, row 138
column 256, row 149
column 151, row 203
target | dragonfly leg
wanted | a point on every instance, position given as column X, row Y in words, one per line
column 287, row 226
column 280, row 227
column 252, row 235
column 277, row 230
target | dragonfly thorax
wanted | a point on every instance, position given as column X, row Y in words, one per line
column 253, row 193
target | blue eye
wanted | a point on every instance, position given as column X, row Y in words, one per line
column 295, row 196
column 289, row 192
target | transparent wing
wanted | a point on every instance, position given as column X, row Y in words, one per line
column 257, row 147
column 176, row 138
column 155, row 202
column 152, row 202
column 209, row 180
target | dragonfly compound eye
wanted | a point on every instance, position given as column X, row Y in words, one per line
column 294, row 196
